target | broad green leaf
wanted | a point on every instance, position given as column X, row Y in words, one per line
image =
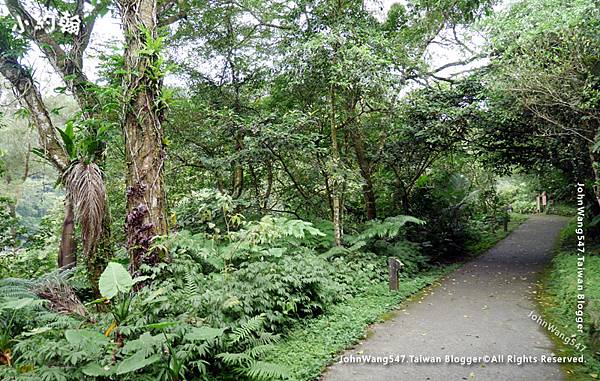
column 96, row 370
column 85, row 336
column 135, row 362
column 67, row 138
column 205, row 333
column 114, row 279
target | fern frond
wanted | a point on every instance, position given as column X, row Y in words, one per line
column 235, row 359
column 191, row 287
column 246, row 330
column 16, row 288
column 262, row 370
column 264, row 338
column 389, row 228
column 258, row 350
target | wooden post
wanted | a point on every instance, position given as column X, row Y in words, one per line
column 545, row 201
column 394, row 266
column 539, row 204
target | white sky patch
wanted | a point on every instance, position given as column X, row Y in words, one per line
column 108, row 29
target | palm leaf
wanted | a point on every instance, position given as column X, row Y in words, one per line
column 85, row 189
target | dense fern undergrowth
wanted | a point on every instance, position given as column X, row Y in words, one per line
column 217, row 310
column 210, row 313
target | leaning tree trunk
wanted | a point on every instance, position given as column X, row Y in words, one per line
column 28, row 93
column 142, row 126
column 98, row 258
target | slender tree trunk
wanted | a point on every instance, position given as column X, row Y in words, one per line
column 405, row 202
column 98, row 258
column 238, row 181
column 336, row 177
column 142, row 126
column 267, row 195
column 67, row 256
column 238, row 168
column 28, row 93
column 365, row 172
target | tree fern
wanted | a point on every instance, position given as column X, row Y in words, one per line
column 389, row 228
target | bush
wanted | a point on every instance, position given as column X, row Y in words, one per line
column 208, row 314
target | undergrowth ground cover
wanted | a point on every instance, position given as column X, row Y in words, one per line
column 215, row 195
column 311, row 345
column 558, row 302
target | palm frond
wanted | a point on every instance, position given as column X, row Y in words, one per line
column 86, row 190
column 60, row 296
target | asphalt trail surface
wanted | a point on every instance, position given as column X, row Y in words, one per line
column 481, row 309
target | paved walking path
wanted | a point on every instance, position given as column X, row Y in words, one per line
column 481, row 309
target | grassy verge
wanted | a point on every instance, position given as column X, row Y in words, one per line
column 558, row 304
column 314, row 344
column 309, row 348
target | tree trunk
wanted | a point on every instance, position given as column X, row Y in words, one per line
column 267, row 195
column 98, row 258
column 238, row 181
column 365, row 172
column 142, row 126
column 66, row 255
column 28, row 93
column 336, row 177
column 69, row 66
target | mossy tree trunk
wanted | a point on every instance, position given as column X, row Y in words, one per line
column 142, row 127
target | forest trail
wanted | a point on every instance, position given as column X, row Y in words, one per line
column 481, row 309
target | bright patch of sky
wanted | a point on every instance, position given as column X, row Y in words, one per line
column 108, row 30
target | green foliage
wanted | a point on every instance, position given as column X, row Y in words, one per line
column 303, row 108
column 36, row 257
column 389, row 228
column 559, row 298
column 114, row 280
column 484, row 238
column 9, row 228
column 562, row 209
column 313, row 344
